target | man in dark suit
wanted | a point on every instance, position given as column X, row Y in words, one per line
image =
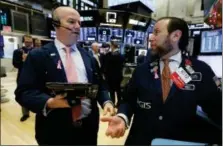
column 163, row 93
column 112, row 66
column 19, row 57
column 57, row 121
column 141, row 58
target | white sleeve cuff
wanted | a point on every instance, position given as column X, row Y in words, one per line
column 125, row 118
column 45, row 111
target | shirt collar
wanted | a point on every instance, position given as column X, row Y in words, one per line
column 60, row 46
column 177, row 57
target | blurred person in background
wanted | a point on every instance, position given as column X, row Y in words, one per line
column 37, row 43
column 19, row 57
column 112, row 67
column 95, row 51
column 141, row 58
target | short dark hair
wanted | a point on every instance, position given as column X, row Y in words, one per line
column 178, row 24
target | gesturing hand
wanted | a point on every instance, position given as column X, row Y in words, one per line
column 116, row 126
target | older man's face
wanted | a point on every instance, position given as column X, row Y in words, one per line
column 69, row 18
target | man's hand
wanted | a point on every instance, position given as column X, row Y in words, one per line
column 116, row 126
column 24, row 56
column 58, row 102
column 109, row 108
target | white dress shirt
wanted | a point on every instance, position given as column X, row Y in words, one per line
column 77, row 59
column 174, row 63
column 96, row 56
column 81, row 74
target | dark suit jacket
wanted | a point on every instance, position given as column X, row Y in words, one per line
column 112, row 66
column 176, row 118
column 17, row 59
column 141, row 59
column 41, row 67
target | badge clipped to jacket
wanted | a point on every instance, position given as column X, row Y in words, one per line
column 180, row 77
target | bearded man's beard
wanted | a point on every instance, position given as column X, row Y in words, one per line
column 161, row 51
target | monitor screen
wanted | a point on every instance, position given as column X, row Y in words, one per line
column 38, row 25
column 134, row 37
column 108, row 34
column 215, row 62
column 140, row 51
column 112, row 18
column 52, row 34
column 20, row 22
column 88, row 34
column 138, row 22
column 211, row 42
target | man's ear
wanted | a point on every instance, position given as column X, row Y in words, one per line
column 176, row 35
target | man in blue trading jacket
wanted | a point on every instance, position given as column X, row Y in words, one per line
column 57, row 123
column 164, row 92
column 19, row 57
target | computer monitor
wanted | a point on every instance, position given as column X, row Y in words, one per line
column 211, row 42
column 38, row 25
column 106, row 34
column 142, row 50
column 88, row 34
column 215, row 62
column 20, row 22
column 134, row 37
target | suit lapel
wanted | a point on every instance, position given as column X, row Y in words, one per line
column 55, row 57
column 87, row 62
column 157, row 80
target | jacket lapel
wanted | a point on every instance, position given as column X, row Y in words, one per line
column 57, row 62
column 156, row 78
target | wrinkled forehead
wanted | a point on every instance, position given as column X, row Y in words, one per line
column 161, row 25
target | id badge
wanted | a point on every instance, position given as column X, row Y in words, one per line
column 177, row 80
column 183, row 75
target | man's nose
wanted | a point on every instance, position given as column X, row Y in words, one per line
column 151, row 38
column 77, row 25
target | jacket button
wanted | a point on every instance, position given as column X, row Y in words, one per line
column 160, row 117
